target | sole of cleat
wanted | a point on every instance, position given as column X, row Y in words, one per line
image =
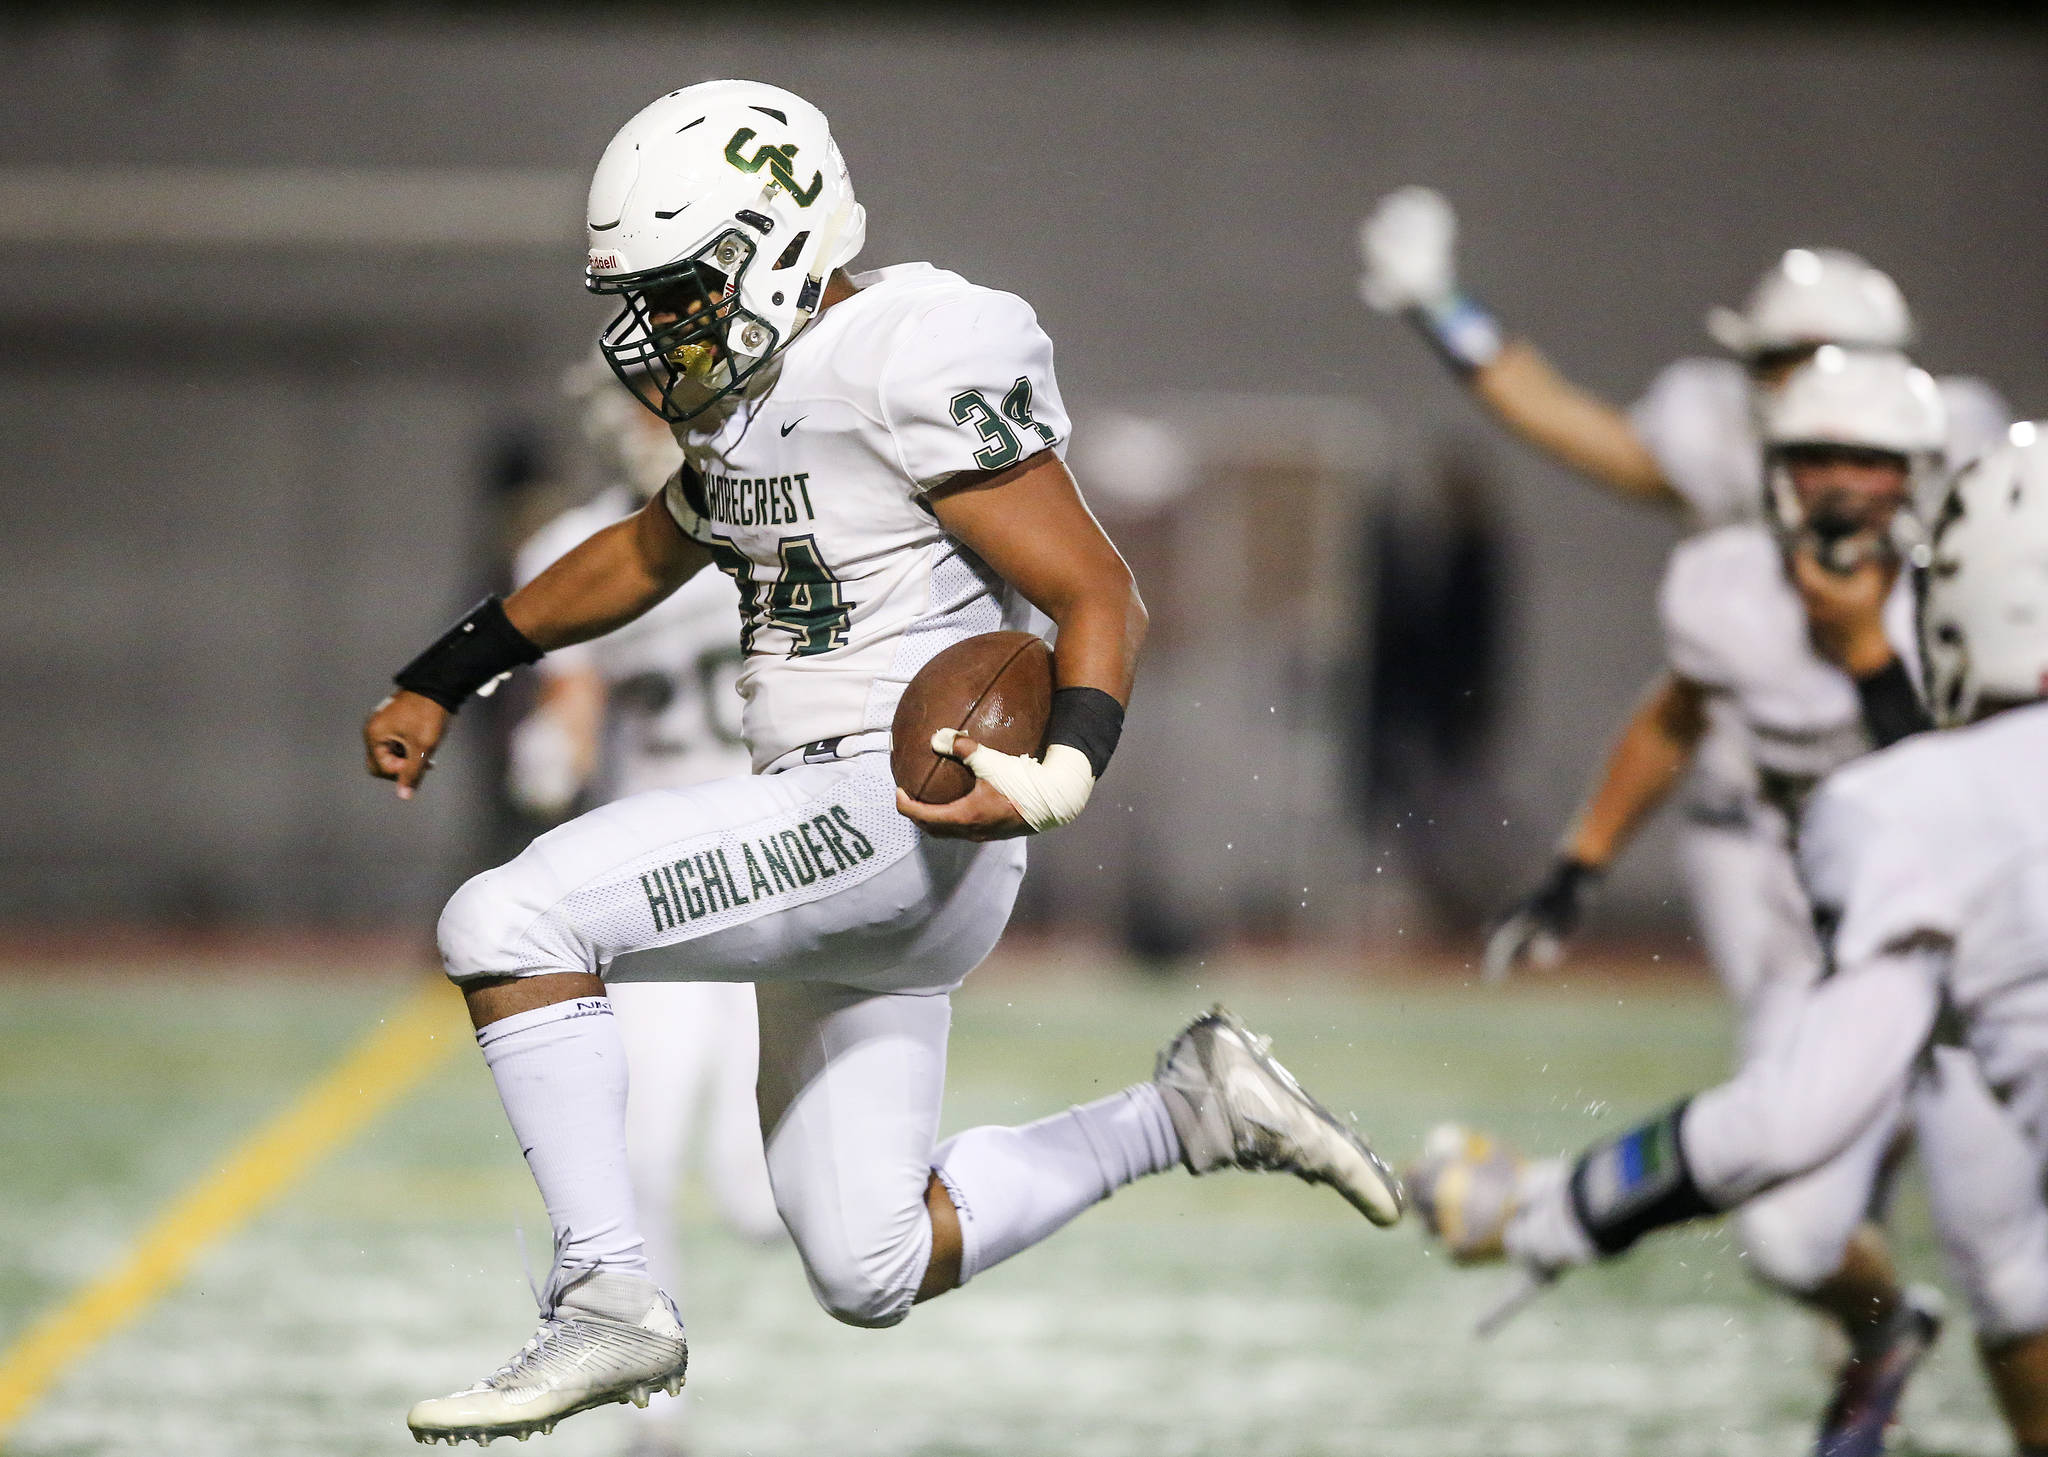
column 483, row 1437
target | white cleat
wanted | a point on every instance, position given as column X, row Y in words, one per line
column 1234, row 1107
column 603, row 1337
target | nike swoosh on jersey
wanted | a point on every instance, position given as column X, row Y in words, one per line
column 794, row 423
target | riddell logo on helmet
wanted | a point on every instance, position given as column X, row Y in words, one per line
column 603, row 262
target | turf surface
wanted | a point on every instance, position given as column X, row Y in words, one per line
column 1234, row 1315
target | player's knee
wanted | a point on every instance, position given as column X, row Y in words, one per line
column 868, row 1276
column 1788, row 1249
column 472, row 931
column 852, row 1296
column 2002, row 1266
column 2009, row 1300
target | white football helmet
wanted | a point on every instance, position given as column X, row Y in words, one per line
column 1984, row 605
column 1856, row 401
column 730, row 204
column 1815, row 296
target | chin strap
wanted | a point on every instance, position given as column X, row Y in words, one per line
column 813, row 291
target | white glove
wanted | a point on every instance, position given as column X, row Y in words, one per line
column 1048, row 792
column 1406, row 246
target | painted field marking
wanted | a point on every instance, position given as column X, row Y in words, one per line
column 389, row 1062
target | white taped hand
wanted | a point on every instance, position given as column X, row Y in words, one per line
column 1406, row 247
column 1048, row 792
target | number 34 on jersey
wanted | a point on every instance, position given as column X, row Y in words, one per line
column 815, row 496
column 1005, row 447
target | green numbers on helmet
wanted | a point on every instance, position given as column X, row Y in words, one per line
column 780, row 162
column 1003, row 448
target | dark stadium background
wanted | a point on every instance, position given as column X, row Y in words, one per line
column 285, row 294
column 248, row 457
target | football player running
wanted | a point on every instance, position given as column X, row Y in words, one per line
column 876, row 460
column 1929, row 861
column 1795, row 634
column 1689, row 444
column 653, row 706
column 1795, row 650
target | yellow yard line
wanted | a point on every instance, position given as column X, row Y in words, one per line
column 385, row 1065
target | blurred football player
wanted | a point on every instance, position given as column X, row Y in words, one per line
column 876, row 461
column 1928, row 861
column 1691, row 441
column 1691, row 444
column 1796, row 631
column 654, row 705
column 1776, row 650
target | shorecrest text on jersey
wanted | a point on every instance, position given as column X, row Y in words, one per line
column 759, row 500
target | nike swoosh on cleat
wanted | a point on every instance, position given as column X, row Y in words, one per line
column 794, row 423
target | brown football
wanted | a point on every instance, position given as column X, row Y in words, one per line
column 995, row 688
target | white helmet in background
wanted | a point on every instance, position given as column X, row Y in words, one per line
column 1856, row 401
column 1815, row 296
column 1984, row 607
column 629, row 445
column 730, row 201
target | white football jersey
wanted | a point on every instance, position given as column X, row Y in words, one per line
column 812, row 496
column 1942, row 842
column 671, row 676
column 1696, row 419
column 1735, row 625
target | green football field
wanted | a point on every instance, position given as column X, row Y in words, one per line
column 1233, row 1315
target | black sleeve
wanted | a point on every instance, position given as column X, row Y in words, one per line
column 1086, row 719
column 1628, row 1186
column 1892, row 710
column 476, row 651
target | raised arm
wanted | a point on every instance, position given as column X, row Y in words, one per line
column 602, row 584
column 1411, row 270
column 1031, row 526
column 1654, row 749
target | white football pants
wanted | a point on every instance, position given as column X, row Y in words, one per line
column 1848, row 1055
column 1984, row 1188
column 853, row 928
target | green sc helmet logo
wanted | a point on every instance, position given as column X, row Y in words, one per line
column 777, row 160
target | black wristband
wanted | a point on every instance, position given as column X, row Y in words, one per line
column 1086, row 719
column 1573, row 875
column 1561, row 899
column 1628, row 1186
column 481, row 647
column 1892, row 710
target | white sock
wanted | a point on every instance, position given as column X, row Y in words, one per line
column 1014, row 1186
column 561, row 1074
